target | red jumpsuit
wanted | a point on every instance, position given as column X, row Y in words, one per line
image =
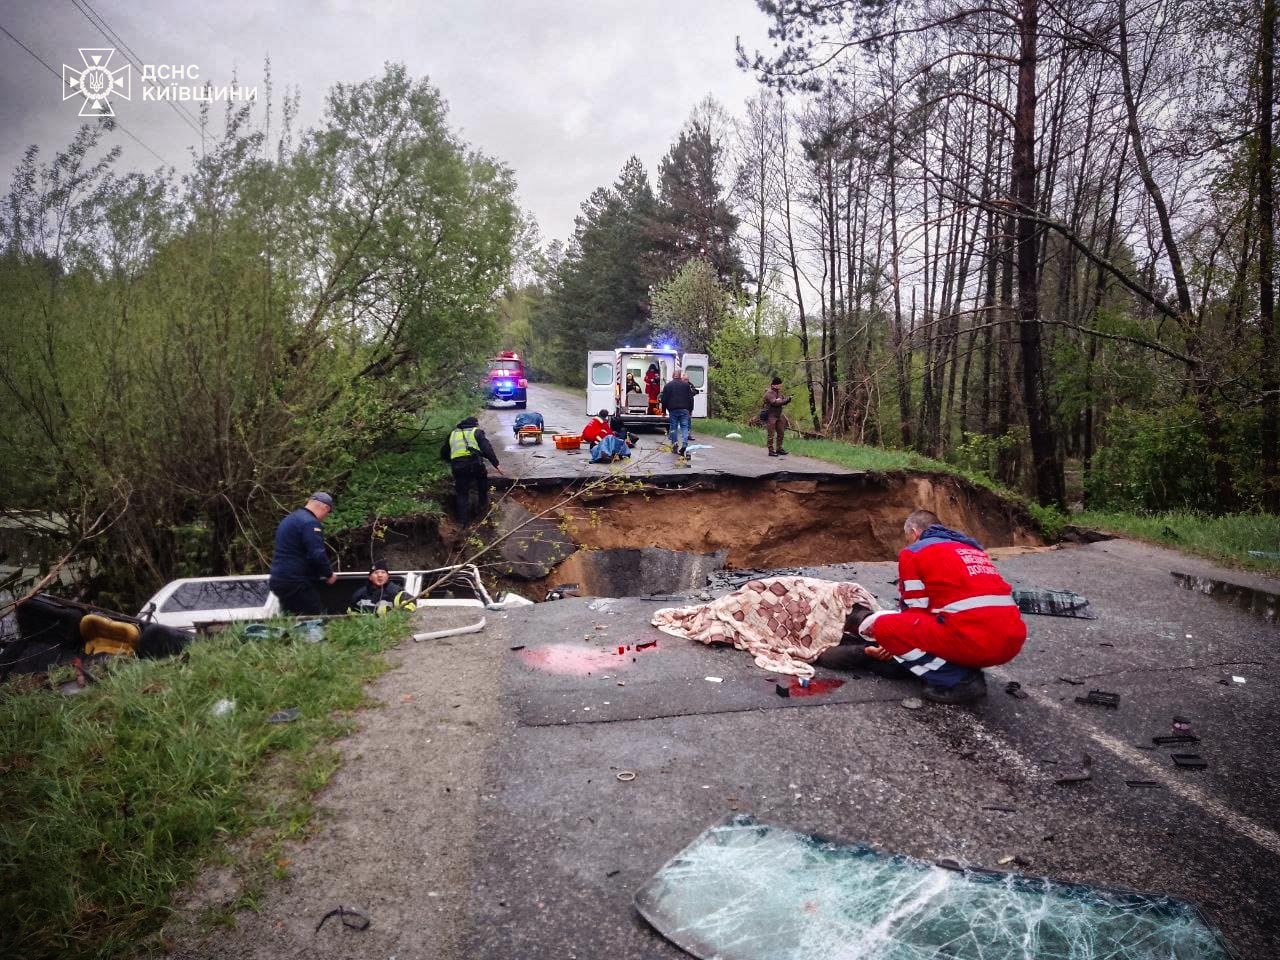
column 594, row 430
column 959, row 608
column 652, row 388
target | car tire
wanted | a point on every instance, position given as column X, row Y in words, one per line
column 521, row 404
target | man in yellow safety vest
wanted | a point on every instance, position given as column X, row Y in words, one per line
column 466, row 450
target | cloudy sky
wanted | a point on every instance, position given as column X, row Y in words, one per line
column 562, row 91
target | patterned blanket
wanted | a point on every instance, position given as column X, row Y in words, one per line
column 784, row 622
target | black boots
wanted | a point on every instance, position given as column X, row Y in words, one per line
column 973, row 687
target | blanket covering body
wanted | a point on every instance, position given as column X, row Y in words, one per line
column 784, row 622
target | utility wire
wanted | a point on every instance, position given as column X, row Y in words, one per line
column 98, row 21
column 115, row 122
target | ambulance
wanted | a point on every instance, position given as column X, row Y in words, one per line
column 607, row 376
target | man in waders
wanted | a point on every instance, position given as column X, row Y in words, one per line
column 466, row 450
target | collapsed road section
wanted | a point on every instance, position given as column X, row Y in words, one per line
column 639, row 537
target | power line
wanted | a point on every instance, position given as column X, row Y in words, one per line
column 115, row 122
column 130, row 54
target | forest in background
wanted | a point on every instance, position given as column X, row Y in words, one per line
column 183, row 358
column 1034, row 239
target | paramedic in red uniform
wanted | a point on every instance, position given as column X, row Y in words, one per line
column 959, row 614
column 597, row 428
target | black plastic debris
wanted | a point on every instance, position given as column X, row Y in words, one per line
column 1053, row 603
column 1142, row 784
column 1085, row 774
column 1190, row 761
column 1101, row 698
column 1014, row 689
column 1175, row 738
column 1071, row 680
column 351, row 919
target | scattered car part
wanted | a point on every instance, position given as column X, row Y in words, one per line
column 1101, row 698
column 1085, row 774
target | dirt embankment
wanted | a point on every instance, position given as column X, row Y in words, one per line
column 778, row 523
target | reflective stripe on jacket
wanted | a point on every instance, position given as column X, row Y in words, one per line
column 462, row 443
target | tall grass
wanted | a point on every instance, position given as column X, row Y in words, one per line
column 853, row 456
column 113, row 799
column 1228, row 537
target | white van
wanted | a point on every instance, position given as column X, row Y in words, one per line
column 607, row 373
column 188, row 603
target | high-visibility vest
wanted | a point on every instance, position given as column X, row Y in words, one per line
column 462, row 443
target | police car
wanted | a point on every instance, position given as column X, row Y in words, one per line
column 507, row 383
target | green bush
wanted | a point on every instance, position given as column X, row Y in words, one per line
column 1152, row 461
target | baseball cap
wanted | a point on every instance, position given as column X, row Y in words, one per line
column 379, row 565
column 321, row 497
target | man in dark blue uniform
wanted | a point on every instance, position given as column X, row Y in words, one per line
column 300, row 561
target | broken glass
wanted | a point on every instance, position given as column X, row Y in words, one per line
column 1053, row 603
column 748, row 891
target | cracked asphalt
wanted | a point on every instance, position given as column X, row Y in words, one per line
column 483, row 817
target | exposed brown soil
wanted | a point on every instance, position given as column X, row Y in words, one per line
column 780, row 523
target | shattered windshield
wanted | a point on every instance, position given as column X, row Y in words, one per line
column 747, row 891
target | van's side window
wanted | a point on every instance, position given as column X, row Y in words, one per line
column 697, row 376
column 602, row 374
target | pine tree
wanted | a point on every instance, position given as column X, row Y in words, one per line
column 692, row 219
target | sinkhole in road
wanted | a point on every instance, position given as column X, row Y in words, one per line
column 652, row 539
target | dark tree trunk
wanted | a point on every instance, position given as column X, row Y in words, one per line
column 1047, row 465
column 1266, row 263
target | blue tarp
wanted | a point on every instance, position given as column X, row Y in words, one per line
column 609, row 449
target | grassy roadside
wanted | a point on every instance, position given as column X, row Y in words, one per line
column 854, row 456
column 1226, row 539
column 113, row 799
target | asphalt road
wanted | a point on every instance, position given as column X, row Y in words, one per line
column 565, row 844
column 563, row 411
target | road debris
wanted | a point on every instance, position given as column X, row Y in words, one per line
column 285, row 716
column 742, row 884
column 222, row 708
column 1014, row 689
column 357, row 921
column 1190, row 761
column 1071, row 680
column 714, row 679
column 626, row 776
column 1101, row 698
column 1052, row 603
column 1085, row 774
column 1143, row 784
column 913, row 703
column 1175, row 738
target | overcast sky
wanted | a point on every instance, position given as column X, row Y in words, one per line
column 562, row 91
